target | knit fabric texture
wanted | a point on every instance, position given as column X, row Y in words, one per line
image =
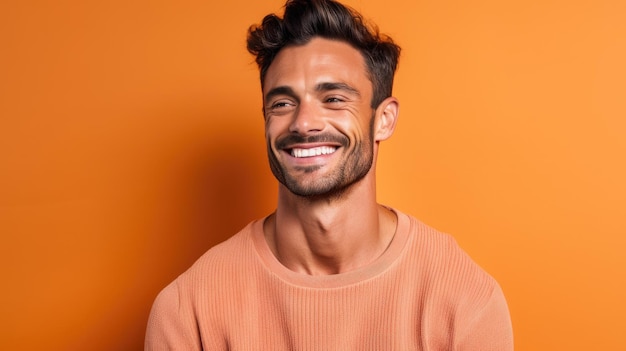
column 423, row 293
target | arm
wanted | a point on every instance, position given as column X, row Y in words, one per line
column 171, row 326
column 490, row 328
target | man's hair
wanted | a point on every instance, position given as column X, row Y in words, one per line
column 304, row 20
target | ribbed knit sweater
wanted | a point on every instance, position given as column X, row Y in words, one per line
column 423, row 293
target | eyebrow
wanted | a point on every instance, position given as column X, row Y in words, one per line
column 321, row 87
column 327, row 86
column 282, row 90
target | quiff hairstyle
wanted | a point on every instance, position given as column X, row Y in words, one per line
column 304, row 20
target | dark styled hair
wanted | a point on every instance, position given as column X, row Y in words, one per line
column 304, row 20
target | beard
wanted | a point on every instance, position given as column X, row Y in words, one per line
column 356, row 164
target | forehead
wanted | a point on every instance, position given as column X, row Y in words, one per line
column 320, row 60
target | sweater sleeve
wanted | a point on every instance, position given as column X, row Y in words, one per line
column 490, row 329
column 171, row 326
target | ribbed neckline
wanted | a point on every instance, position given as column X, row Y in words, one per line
column 382, row 263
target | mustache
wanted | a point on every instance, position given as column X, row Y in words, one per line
column 291, row 139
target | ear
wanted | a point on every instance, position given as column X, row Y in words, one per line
column 386, row 118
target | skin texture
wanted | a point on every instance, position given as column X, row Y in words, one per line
column 327, row 220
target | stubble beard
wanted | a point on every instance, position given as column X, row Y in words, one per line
column 357, row 165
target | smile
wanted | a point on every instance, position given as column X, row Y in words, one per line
column 312, row 152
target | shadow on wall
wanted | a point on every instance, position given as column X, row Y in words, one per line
column 211, row 190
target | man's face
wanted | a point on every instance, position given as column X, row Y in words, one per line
column 318, row 118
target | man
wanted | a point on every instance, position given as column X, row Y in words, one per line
column 330, row 269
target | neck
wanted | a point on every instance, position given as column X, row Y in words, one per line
column 330, row 235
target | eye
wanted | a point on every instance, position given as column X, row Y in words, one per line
column 334, row 99
column 281, row 104
column 280, row 107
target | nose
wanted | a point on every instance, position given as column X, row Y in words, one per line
column 307, row 119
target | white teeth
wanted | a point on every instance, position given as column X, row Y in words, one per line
column 316, row 151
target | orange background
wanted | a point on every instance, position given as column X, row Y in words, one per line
column 131, row 141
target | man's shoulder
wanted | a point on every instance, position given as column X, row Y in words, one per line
column 439, row 258
column 431, row 244
column 228, row 258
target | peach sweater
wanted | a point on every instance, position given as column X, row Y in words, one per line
column 423, row 293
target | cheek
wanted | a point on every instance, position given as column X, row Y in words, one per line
column 274, row 129
column 355, row 127
column 271, row 128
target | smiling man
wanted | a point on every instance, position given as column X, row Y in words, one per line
column 330, row 269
